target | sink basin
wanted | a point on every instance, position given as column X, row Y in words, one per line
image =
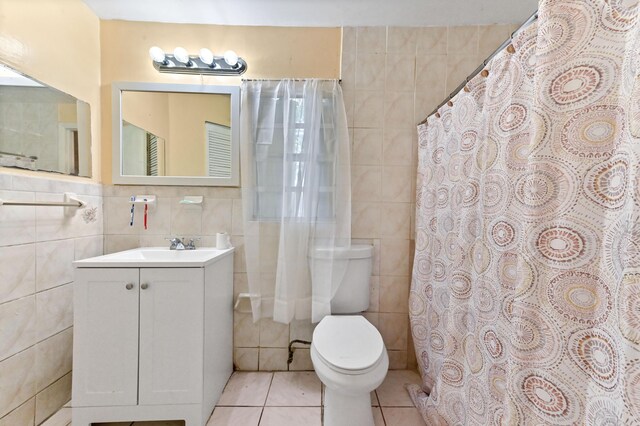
column 157, row 257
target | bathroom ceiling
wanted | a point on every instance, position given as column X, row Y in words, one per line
column 318, row 13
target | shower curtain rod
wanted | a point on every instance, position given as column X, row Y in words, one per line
column 478, row 70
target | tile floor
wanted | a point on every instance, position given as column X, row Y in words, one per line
column 289, row 399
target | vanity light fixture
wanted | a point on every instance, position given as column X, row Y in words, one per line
column 205, row 63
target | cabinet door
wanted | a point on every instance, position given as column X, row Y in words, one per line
column 105, row 334
column 171, row 335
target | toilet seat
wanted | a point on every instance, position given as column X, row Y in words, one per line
column 348, row 344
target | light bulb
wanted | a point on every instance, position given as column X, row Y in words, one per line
column 231, row 58
column 157, row 55
column 206, row 56
column 181, row 55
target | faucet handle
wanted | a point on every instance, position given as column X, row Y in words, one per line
column 191, row 245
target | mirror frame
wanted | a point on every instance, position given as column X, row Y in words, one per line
column 116, row 113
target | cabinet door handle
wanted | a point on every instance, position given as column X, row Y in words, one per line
column 144, row 286
column 129, row 286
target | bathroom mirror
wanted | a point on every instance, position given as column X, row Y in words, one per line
column 173, row 134
column 42, row 128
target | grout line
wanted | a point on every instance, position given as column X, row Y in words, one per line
column 384, row 420
column 268, row 390
column 261, row 414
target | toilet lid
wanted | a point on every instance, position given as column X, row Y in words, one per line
column 348, row 342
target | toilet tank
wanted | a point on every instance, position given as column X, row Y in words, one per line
column 351, row 277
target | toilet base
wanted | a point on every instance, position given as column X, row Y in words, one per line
column 347, row 410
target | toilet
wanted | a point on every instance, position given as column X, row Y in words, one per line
column 347, row 351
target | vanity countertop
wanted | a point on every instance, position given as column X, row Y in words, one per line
column 155, row 257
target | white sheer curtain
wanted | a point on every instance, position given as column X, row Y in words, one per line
column 296, row 193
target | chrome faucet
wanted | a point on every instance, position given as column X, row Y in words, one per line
column 176, row 244
column 179, row 244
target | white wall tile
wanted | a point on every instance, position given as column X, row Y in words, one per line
column 89, row 247
column 273, row 359
column 367, row 147
column 237, row 218
column 17, row 223
column 53, row 358
column 217, row 216
column 186, row 220
column 370, row 71
column 273, row 334
column 24, row 415
column 54, row 311
column 432, row 40
column 401, row 72
column 349, row 40
column 17, row 380
column 397, row 148
column 52, row 398
column 116, row 243
column 402, row 40
column 18, row 330
column 371, row 39
column 6, row 181
column 17, row 271
column 246, row 359
column 368, row 109
column 54, row 263
column 398, row 110
column 246, row 333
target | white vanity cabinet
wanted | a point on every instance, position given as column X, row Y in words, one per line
column 151, row 343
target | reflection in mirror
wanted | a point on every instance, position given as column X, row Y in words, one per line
column 42, row 128
column 187, row 123
column 143, row 152
column 176, row 135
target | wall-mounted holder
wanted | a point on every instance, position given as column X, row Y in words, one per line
column 192, row 200
column 244, row 296
column 149, row 200
column 70, row 198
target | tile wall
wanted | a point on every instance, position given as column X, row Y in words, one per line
column 37, row 246
column 392, row 78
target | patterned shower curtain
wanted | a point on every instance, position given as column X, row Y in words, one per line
column 525, row 300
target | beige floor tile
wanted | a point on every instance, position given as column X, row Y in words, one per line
column 374, row 397
column 300, row 389
column 235, row 416
column 291, row 416
column 392, row 393
column 378, row 420
column 396, row 416
column 247, row 389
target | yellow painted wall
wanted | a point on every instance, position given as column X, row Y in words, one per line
column 67, row 113
column 58, row 43
column 271, row 52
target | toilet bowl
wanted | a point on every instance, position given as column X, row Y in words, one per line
column 350, row 358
